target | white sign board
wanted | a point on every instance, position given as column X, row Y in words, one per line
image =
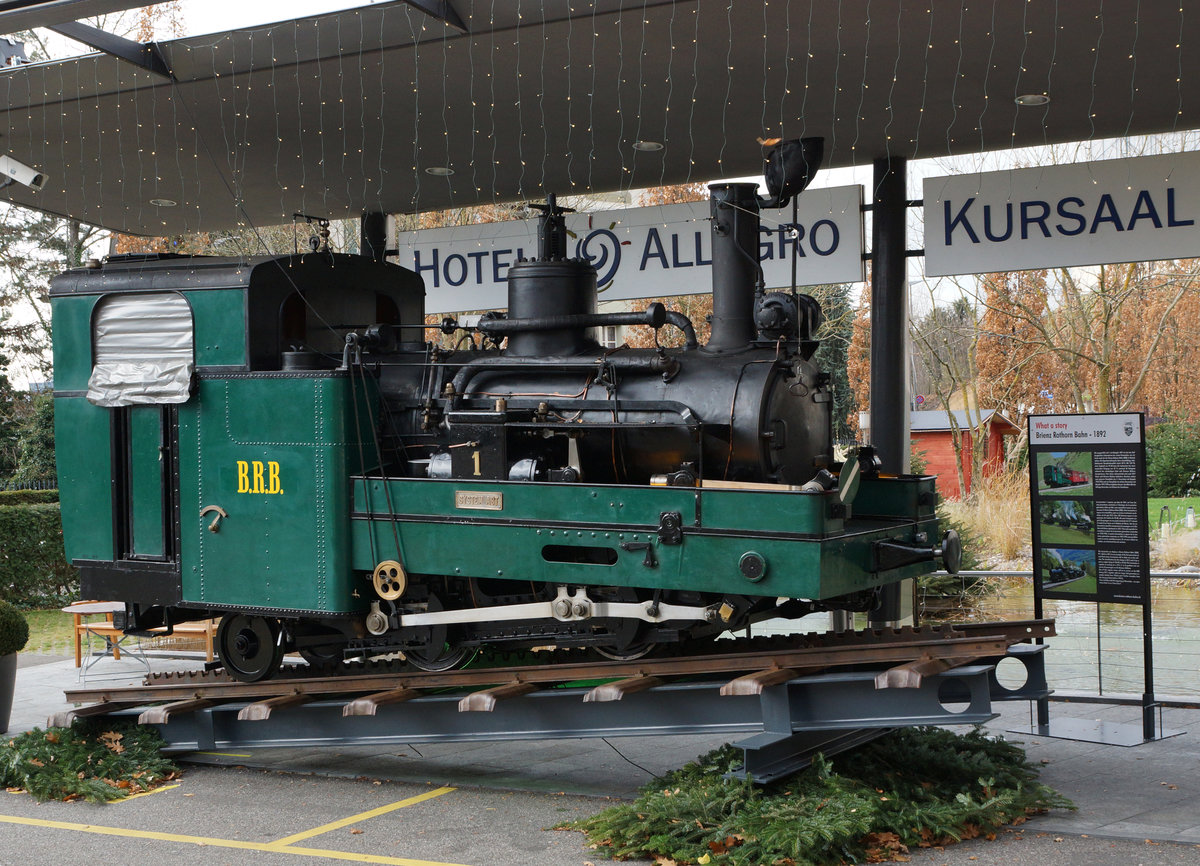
column 639, row 252
column 1107, row 429
column 1122, row 210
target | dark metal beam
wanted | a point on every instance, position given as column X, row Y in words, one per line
column 441, row 10
column 144, row 55
column 16, row 15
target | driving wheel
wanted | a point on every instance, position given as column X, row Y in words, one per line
column 249, row 646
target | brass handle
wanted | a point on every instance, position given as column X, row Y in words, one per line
column 215, row 525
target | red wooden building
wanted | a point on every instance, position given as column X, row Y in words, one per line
column 931, row 434
column 933, row 440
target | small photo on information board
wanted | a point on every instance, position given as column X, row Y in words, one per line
column 1088, row 494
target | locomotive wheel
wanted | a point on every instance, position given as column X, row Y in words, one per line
column 628, row 652
column 430, row 660
column 249, row 646
column 319, row 656
column 437, row 654
column 631, row 640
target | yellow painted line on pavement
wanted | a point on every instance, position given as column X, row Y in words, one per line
column 362, row 816
column 205, row 841
column 225, row 754
column 142, row 794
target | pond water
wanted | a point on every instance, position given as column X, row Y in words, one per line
column 1077, row 661
column 1112, row 664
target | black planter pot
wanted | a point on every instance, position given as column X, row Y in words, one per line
column 8, row 683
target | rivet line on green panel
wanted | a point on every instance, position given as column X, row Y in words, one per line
column 200, row 494
column 319, row 418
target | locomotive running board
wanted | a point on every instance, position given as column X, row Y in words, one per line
column 789, row 722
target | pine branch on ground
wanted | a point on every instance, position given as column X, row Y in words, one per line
column 97, row 760
column 915, row 787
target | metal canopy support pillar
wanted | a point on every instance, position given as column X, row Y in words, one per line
column 889, row 343
column 373, row 235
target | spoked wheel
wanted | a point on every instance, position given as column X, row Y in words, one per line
column 249, row 646
column 627, row 652
column 431, row 660
column 320, row 647
column 320, row 656
column 438, row 654
column 630, row 638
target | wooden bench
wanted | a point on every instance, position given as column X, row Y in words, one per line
column 84, row 627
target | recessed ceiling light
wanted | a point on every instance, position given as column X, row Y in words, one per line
column 163, row 202
column 1032, row 99
column 647, row 145
column 439, row 170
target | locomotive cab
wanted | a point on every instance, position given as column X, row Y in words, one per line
column 204, row 432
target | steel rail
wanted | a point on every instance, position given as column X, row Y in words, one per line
column 988, row 640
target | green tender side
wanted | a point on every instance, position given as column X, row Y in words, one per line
column 72, row 326
column 82, row 439
column 540, row 531
column 274, row 451
column 82, row 435
column 220, row 320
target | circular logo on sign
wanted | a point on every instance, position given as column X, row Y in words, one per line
column 602, row 249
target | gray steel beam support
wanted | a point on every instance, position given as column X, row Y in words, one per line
column 889, row 343
column 789, row 722
column 373, row 235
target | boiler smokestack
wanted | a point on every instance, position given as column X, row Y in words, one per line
column 735, row 270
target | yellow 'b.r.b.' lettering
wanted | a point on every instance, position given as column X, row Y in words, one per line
column 257, row 476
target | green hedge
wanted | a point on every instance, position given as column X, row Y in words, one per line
column 34, row 572
column 27, row 497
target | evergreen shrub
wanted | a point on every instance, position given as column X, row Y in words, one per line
column 27, row 497
column 14, row 630
column 34, row 572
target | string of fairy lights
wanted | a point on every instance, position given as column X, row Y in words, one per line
column 447, row 119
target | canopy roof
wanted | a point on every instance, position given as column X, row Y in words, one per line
column 344, row 113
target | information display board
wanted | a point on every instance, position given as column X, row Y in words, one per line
column 1091, row 536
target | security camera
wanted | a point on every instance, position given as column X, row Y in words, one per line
column 21, row 173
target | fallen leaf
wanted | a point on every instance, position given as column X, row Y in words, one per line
column 354, row 831
column 724, row 845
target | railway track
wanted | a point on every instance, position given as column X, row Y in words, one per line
column 899, row 658
column 794, row 696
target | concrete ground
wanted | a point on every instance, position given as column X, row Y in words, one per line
column 491, row 804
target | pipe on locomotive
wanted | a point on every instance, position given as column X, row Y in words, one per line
column 656, row 315
column 663, row 364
